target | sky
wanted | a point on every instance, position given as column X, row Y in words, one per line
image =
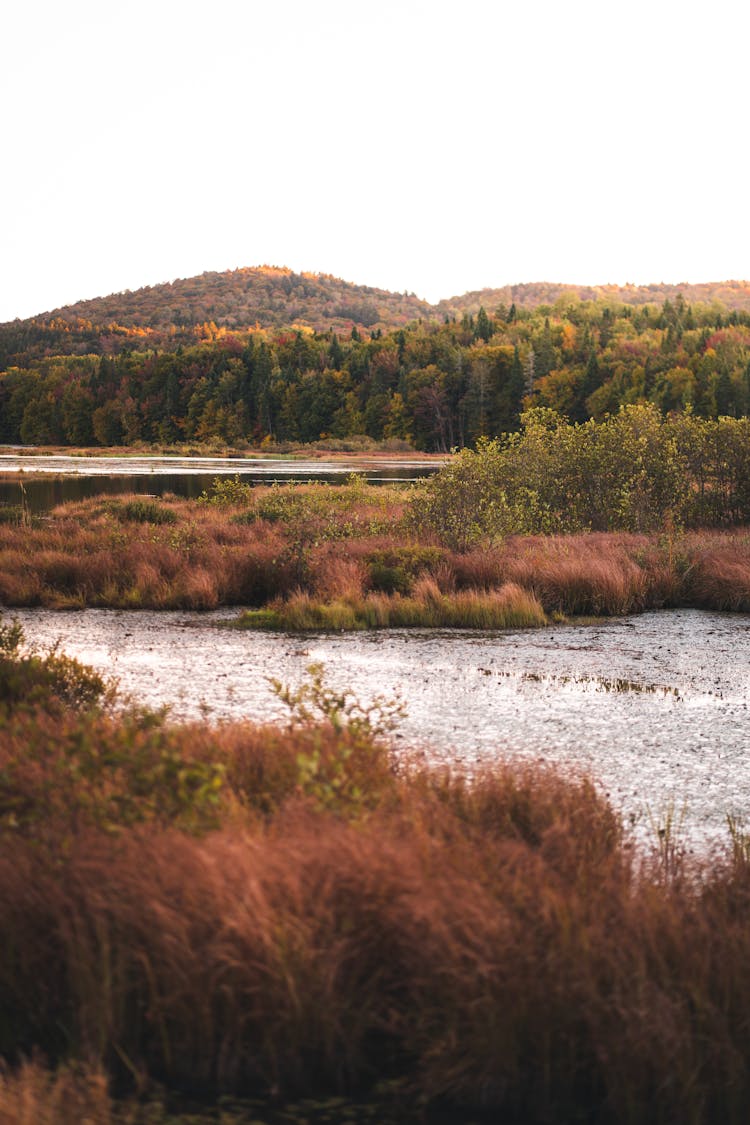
column 416, row 145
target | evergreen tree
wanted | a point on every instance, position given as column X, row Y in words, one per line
column 544, row 352
column 484, row 326
column 335, row 353
column 724, row 395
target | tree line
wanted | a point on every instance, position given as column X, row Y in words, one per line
column 433, row 385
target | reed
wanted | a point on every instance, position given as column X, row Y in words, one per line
column 509, row 607
column 355, row 561
column 492, row 946
column 33, row 1095
column 719, row 573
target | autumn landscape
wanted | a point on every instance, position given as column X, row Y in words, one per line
column 304, row 920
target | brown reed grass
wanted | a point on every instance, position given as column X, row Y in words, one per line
column 492, row 946
column 719, row 574
column 336, row 553
column 73, row 1095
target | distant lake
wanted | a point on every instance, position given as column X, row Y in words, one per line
column 49, row 480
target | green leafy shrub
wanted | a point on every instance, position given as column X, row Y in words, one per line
column 50, row 680
column 629, row 472
column 327, row 772
column 227, row 492
column 60, row 773
column 393, row 570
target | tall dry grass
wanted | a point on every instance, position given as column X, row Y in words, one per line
column 346, row 556
column 30, row 1094
column 492, row 946
column 508, row 607
column 291, row 911
column 600, row 574
column 719, row 572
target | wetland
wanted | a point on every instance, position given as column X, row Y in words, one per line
column 655, row 706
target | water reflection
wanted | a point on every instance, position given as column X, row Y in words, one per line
column 48, row 481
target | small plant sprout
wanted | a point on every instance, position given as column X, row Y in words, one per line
column 669, row 843
column 740, row 838
column 343, row 775
column 314, row 702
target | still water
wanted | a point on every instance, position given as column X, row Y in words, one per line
column 50, row 480
column 654, row 706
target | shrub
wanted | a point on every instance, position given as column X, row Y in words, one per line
column 393, row 570
column 61, row 773
column 50, row 680
column 227, row 492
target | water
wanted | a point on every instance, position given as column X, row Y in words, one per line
column 50, row 480
column 655, row 706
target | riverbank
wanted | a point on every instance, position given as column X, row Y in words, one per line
column 292, row 912
column 364, row 451
column 323, row 557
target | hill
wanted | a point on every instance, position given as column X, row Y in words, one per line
column 270, row 296
column 730, row 294
column 273, row 297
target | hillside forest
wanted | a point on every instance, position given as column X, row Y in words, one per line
column 265, row 357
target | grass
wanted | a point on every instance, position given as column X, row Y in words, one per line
column 509, row 607
column 340, row 557
column 287, row 915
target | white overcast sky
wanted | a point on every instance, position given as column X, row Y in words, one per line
column 425, row 146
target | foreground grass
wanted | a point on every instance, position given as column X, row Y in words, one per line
column 287, row 915
column 342, row 557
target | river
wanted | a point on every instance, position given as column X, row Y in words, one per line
column 653, row 706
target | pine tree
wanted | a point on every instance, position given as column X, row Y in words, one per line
column 484, row 326
column 529, row 372
column 335, row 353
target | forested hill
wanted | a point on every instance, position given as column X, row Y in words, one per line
column 269, row 356
column 270, row 296
column 274, row 297
column 731, row 294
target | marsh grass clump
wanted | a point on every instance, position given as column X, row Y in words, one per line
column 12, row 514
column 31, row 1094
column 508, row 607
column 142, row 510
column 352, row 554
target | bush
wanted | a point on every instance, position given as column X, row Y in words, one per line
column 627, row 473
column 393, row 570
column 227, row 492
column 51, row 680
